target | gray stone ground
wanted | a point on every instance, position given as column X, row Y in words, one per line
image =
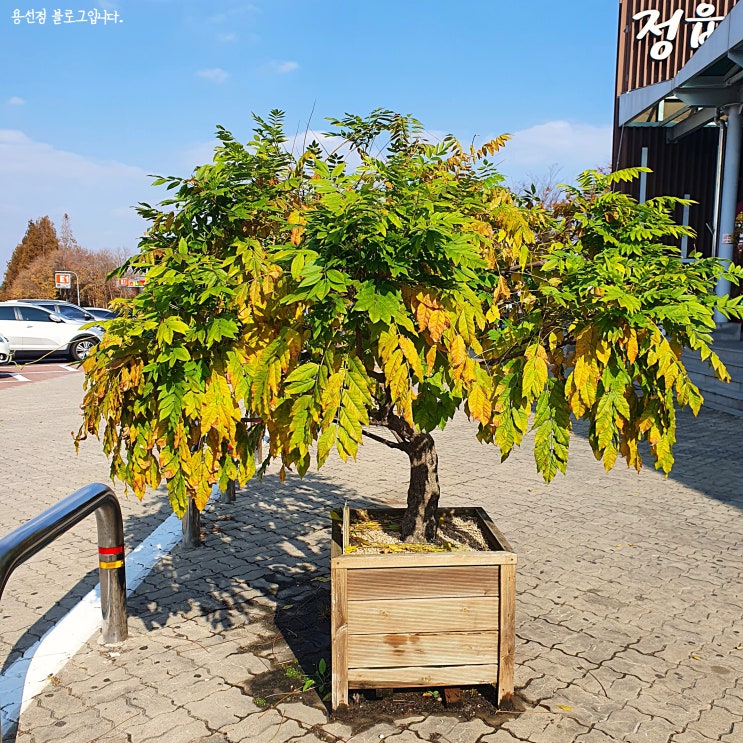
column 629, row 605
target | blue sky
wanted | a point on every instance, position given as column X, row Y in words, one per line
column 89, row 111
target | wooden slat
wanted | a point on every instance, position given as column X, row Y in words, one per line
column 507, row 650
column 388, row 583
column 492, row 532
column 422, row 615
column 336, row 541
column 339, row 634
column 356, row 561
column 386, row 678
column 416, row 649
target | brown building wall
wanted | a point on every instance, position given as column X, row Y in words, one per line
column 688, row 166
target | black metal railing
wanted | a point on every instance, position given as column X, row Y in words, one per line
column 34, row 535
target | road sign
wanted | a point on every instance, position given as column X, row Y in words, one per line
column 63, row 279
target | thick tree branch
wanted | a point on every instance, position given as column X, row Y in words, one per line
column 384, row 441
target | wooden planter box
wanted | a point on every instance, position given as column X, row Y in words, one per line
column 431, row 619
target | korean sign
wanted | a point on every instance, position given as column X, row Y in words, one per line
column 663, row 31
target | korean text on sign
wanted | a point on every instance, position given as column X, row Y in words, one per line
column 705, row 21
column 61, row 17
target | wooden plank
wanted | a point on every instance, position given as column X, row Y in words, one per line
column 346, row 526
column 389, row 583
column 417, row 649
column 508, row 633
column 339, row 635
column 492, row 531
column 394, row 678
column 422, row 615
column 336, row 540
column 356, row 561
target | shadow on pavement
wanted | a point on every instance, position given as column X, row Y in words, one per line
column 136, row 529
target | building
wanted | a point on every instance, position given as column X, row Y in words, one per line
column 679, row 90
column 679, row 95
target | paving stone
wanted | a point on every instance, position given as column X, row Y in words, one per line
column 690, row 736
column 268, row 726
column 715, row 722
column 499, row 736
column 175, row 727
column 735, row 735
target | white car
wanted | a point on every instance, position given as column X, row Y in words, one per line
column 35, row 329
column 6, row 355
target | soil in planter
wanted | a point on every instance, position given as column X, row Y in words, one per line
column 379, row 532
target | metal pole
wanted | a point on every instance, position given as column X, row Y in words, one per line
column 729, row 199
column 77, row 284
column 685, row 223
column 112, row 574
column 644, row 177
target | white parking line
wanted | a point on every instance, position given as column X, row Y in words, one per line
column 18, row 377
column 28, row 675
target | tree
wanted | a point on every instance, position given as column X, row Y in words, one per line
column 328, row 301
column 40, row 240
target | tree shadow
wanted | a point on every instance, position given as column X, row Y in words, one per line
column 267, row 552
column 708, row 454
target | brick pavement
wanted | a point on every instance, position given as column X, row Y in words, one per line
column 629, row 605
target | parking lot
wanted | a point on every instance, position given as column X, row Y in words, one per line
column 31, row 369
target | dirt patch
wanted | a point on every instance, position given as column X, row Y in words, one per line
column 379, row 532
column 369, row 708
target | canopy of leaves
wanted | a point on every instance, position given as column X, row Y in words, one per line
column 320, row 297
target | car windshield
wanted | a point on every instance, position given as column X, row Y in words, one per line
column 74, row 313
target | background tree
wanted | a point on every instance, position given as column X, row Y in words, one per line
column 329, row 301
column 39, row 241
column 31, row 270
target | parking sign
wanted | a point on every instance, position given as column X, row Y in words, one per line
column 62, row 279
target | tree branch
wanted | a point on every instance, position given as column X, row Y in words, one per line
column 384, row 441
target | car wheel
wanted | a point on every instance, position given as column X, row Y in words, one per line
column 80, row 348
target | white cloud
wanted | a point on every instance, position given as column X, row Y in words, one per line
column 567, row 147
column 227, row 38
column 285, row 67
column 36, row 179
column 16, row 101
column 215, row 74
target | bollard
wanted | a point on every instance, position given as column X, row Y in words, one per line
column 31, row 537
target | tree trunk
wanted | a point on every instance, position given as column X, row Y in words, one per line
column 419, row 523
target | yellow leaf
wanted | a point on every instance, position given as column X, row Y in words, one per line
column 411, row 355
column 632, row 346
column 565, row 707
column 479, row 403
column 438, row 322
column 431, row 357
column 458, row 351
